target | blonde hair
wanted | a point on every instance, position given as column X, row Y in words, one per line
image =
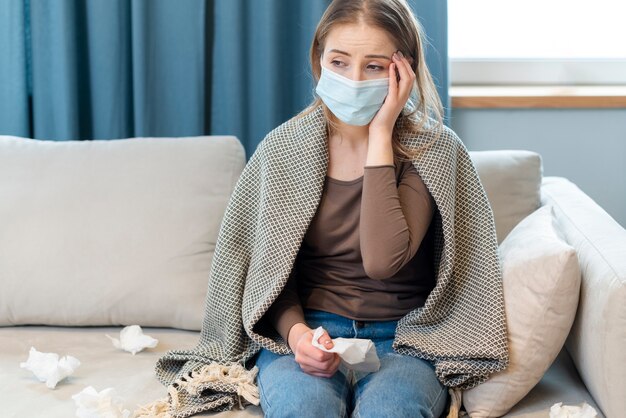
column 397, row 20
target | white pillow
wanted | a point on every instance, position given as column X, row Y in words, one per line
column 512, row 181
column 541, row 279
column 116, row 232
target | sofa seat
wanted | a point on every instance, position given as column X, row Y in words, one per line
column 102, row 366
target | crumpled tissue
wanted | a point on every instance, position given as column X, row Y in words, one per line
column 356, row 353
column 584, row 411
column 48, row 367
column 133, row 339
column 105, row 404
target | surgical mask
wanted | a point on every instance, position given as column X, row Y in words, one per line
column 353, row 102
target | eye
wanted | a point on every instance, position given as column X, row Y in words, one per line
column 337, row 63
column 374, row 67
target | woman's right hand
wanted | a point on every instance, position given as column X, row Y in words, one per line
column 311, row 359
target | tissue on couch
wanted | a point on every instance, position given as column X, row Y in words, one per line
column 48, row 367
column 133, row 340
column 104, row 404
column 585, row 411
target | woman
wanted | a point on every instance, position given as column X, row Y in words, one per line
column 364, row 262
column 363, row 215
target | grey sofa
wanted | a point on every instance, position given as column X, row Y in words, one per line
column 63, row 290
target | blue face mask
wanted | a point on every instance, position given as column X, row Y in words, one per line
column 353, row 102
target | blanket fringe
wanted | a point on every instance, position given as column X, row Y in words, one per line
column 233, row 374
column 456, row 396
column 156, row 409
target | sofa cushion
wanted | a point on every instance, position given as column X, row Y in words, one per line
column 541, row 282
column 512, row 181
column 597, row 342
column 114, row 232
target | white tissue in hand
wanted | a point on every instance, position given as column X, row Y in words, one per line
column 48, row 367
column 105, row 404
column 133, row 339
column 357, row 353
column 559, row 411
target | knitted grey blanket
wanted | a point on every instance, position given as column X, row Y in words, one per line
column 461, row 328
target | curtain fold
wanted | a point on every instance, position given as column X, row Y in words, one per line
column 100, row 69
column 14, row 113
column 169, row 66
column 104, row 68
column 433, row 15
column 260, row 71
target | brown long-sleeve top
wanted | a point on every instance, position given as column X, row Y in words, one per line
column 366, row 253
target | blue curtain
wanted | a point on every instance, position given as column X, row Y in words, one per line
column 13, row 73
column 433, row 15
column 99, row 69
column 260, row 68
column 76, row 69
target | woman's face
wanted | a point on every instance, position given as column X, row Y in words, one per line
column 358, row 52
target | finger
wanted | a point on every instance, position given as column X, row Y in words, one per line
column 401, row 65
column 332, row 365
column 401, row 85
column 335, row 364
column 313, row 355
column 407, row 76
column 319, row 364
column 325, row 340
column 405, row 87
column 317, row 355
column 309, row 365
column 393, row 80
column 409, row 69
column 327, row 367
column 409, row 63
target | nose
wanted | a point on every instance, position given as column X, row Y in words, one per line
column 356, row 75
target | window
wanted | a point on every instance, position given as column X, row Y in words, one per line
column 537, row 41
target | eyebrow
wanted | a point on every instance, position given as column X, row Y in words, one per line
column 367, row 56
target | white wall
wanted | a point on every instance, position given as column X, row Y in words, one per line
column 588, row 146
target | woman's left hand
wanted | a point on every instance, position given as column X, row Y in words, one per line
column 399, row 93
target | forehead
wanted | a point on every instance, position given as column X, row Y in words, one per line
column 359, row 38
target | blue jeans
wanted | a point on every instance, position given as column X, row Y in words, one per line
column 403, row 387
